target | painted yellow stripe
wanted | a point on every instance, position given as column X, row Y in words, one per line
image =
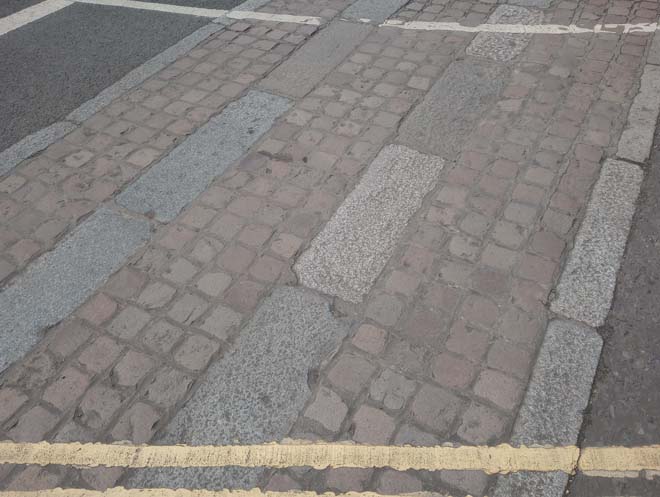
column 166, row 492
column 498, row 459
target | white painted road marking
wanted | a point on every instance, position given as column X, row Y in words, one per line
column 200, row 12
column 160, row 7
column 26, row 16
column 548, row 29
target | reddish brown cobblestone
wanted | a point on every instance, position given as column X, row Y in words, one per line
column 443, row 345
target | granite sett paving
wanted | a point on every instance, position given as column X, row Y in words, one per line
column 443, row 343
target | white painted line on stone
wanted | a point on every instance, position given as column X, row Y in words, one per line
column 188, row 170
column 255, row 393
column 265, row 16
column 202, row 12
column 31, row 14
column 552, row 410
column 348, row 255
column 62, row 279
column 637, row 137
column 159, row 7
column 586, row 286
column 503, row 47
column 548, row 29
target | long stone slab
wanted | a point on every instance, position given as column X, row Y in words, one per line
column 188, row 170
column 637, row 137
column 552, row 411
column 255, row 392
column 586, row 286
column 30, row 145
column 442, row 122
column 348, row 255
column 301, row 72
column 59, row 281
column 376, row 11
column 504, row 47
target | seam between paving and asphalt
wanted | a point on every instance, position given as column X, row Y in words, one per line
column 39, row 140
column 543, row 418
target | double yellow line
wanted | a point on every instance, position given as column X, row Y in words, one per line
column 604, row 461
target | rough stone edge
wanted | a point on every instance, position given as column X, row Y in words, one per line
column 39, row 140
column 598, row 234
column 637, row 137
column 31, row 144
column 141, row 73
column 570, row 351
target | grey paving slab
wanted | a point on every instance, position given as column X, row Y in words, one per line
column 32, row 144
column 299, row 74
column 586, row 285
column 349, row 253
column 60, row 280
column 188, row 170
column 53, row 65
column 255, row 392
column 503, row 47
column 653, row 56
column 373, row 10
column 552, row 411
column 441, row 123
column 539, row 4
column 637, row 137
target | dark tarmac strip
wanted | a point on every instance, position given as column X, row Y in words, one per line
column 54, row 64
column 625, row 401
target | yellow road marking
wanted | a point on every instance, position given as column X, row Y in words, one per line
column 498, row 459
column 166, row 492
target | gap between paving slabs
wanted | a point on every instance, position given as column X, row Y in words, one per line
column 584, row 293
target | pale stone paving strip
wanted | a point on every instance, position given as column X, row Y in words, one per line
column 187, row 171
column 135, row 349
column 503, row 47
column 299, row 74
column 58, row 282
column 248, row 398
column 442, row 348
column 374, row 11
column 637, row 138
column 452, row 107
column 557, row 395
column 345, row 259
column 46, row 196
column 586, row 287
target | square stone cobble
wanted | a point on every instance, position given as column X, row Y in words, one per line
column 530, row 163
column 69, row 179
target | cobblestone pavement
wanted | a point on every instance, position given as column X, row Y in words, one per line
column 438, row 342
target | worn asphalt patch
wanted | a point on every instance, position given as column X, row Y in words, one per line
column 59, row 281
column 586, row 285
column 255, row 392
column 442, row 122
column 301, row 72
column 349, row 253
column 188, row 170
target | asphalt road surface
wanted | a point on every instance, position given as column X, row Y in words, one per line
column 625, row 402
column 54, row 64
